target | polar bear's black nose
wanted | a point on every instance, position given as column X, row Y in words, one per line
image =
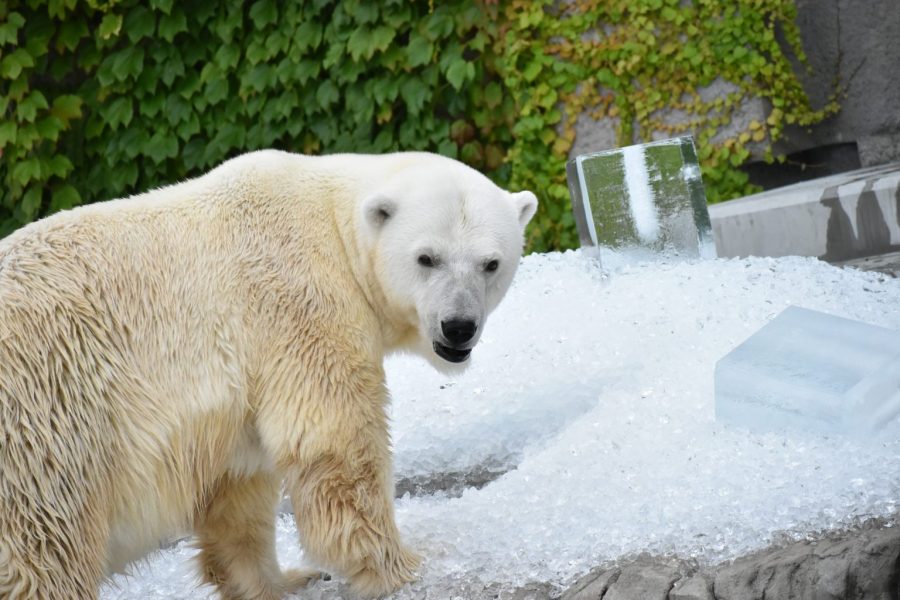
column 458, row 331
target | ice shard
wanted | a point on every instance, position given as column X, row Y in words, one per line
column 813, row 371
column 647, row 197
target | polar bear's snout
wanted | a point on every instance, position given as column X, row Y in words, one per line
column 458, row 333
column 451, row 354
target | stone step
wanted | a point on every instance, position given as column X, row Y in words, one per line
column 837, row 218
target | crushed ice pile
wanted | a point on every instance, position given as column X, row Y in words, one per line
column 594, row 390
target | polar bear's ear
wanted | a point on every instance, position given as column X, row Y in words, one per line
column 378, row 209
column 526, row 205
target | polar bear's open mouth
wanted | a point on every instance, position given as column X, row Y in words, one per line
column 451, row 354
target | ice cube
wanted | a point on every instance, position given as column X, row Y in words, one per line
column 645, row 199
column 810, row 370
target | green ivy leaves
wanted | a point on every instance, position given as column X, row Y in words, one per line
column 634, row 62
column 139, row 94
column 363, row 43
column 110, row 26
column 104, row 99
column 10, row 29
column 12, row 64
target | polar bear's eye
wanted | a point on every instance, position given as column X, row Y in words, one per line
column 426, row 261
column 491, row 266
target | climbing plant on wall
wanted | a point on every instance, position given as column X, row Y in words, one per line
column 645, row 65
column 103, row 98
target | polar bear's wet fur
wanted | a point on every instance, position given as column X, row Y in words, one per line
column 167, row 360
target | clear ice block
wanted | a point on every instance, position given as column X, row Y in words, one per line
column 813, row 371
column 646, row 198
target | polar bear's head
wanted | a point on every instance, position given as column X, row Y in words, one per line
column 445, row 243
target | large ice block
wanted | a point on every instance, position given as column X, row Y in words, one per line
column 647, row 197
column 810, row 370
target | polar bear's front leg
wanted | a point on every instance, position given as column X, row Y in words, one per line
column 343, row 502
column 236, row 535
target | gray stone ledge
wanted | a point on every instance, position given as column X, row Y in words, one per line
column 863, row 564
column 835, row 218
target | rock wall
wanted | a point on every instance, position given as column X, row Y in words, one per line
column 861, row 565
column 851, row 43
column 856, row 44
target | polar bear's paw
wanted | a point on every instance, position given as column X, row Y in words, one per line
column 398, row 566
column 294, row 580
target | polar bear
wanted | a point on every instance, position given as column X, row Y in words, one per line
column 168, row 360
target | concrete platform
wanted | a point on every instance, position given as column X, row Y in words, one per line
column 841, row 218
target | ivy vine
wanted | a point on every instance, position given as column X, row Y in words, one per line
column 635, row 62
column 104, row 98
